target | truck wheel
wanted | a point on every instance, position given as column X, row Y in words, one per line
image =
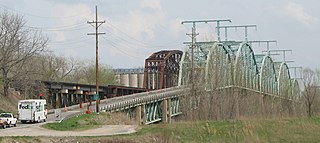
column 15, row 125
column 4, row 126
column 23, row 121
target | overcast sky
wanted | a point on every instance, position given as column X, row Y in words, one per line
column 137, row 28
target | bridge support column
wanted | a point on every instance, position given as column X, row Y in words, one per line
column 166, row 111
column 140, row 114
column 54, row 99
column 65, row 101
column 64, row 93
column 74, row 100
column 59, row 100
column 78, row 98
column 70, row 99
column 169, row 110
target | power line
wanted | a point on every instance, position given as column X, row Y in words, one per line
column 131, row 44
column 81, row 40
column 118, row 48
column 142, row 43
column 76, row 25
column 33, row 15
column 121, row 45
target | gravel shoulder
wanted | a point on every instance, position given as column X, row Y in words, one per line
column 105, row 130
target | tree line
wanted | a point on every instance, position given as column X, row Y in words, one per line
column 25, row 57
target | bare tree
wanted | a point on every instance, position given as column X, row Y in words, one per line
column 106, row 75
column 17, row 44
column 310, row 80
column 55, row 68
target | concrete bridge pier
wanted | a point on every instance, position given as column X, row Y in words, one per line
column 166, row 111
column 140, row 115
column 74, row 99
column 79, row 98
column 64, row 94
column 59, row 100
column 64, row 99
column 54, row 99
column 69, row 98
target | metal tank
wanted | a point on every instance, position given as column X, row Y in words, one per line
column 124, row 79
column 140, row 80
column 133, row 80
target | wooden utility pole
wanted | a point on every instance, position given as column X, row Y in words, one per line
column 97, row 24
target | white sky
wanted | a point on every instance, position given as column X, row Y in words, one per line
column 136, row 28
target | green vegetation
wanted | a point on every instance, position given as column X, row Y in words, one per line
column 83, row 122
column 281, row 130
column 243, row 131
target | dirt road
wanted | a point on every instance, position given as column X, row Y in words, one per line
column 36, row 130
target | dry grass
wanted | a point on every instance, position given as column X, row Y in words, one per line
column 118, row 118
column 10, row 103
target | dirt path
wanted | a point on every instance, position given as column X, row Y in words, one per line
column 39, row 131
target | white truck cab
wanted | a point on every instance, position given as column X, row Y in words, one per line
column 9, row 118
column 32, row 110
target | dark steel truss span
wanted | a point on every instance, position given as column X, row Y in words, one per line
column 162, row 69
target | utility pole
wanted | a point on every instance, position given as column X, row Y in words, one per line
column 237, row 26
column 97, row 24
column 193, row 43
column 295, row 72
column 283, row 54
column 265, row 41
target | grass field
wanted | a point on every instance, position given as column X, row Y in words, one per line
column 83, row 122
column 245, row 130
column 284, row 130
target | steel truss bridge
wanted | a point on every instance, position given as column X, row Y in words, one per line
column 218, row 65
column 222, row 64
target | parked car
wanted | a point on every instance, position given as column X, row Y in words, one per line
column 8, row 119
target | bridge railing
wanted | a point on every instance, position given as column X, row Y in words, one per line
column 133, row 100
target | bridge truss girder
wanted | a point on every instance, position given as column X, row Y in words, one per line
column 246, row 70
column 162, row 69
column 218, row 67
column 284, row 81
column 267, row 75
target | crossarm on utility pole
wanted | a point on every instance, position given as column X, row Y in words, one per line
column 237, row 26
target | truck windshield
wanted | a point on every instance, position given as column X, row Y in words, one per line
column 5, row 115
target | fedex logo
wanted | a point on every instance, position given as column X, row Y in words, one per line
column 28, row 106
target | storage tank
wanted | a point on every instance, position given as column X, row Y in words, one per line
column 140, row 80
column 124, row 79
column 117, row 77
column 133, row 80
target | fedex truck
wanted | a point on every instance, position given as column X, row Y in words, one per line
column 32, row 110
